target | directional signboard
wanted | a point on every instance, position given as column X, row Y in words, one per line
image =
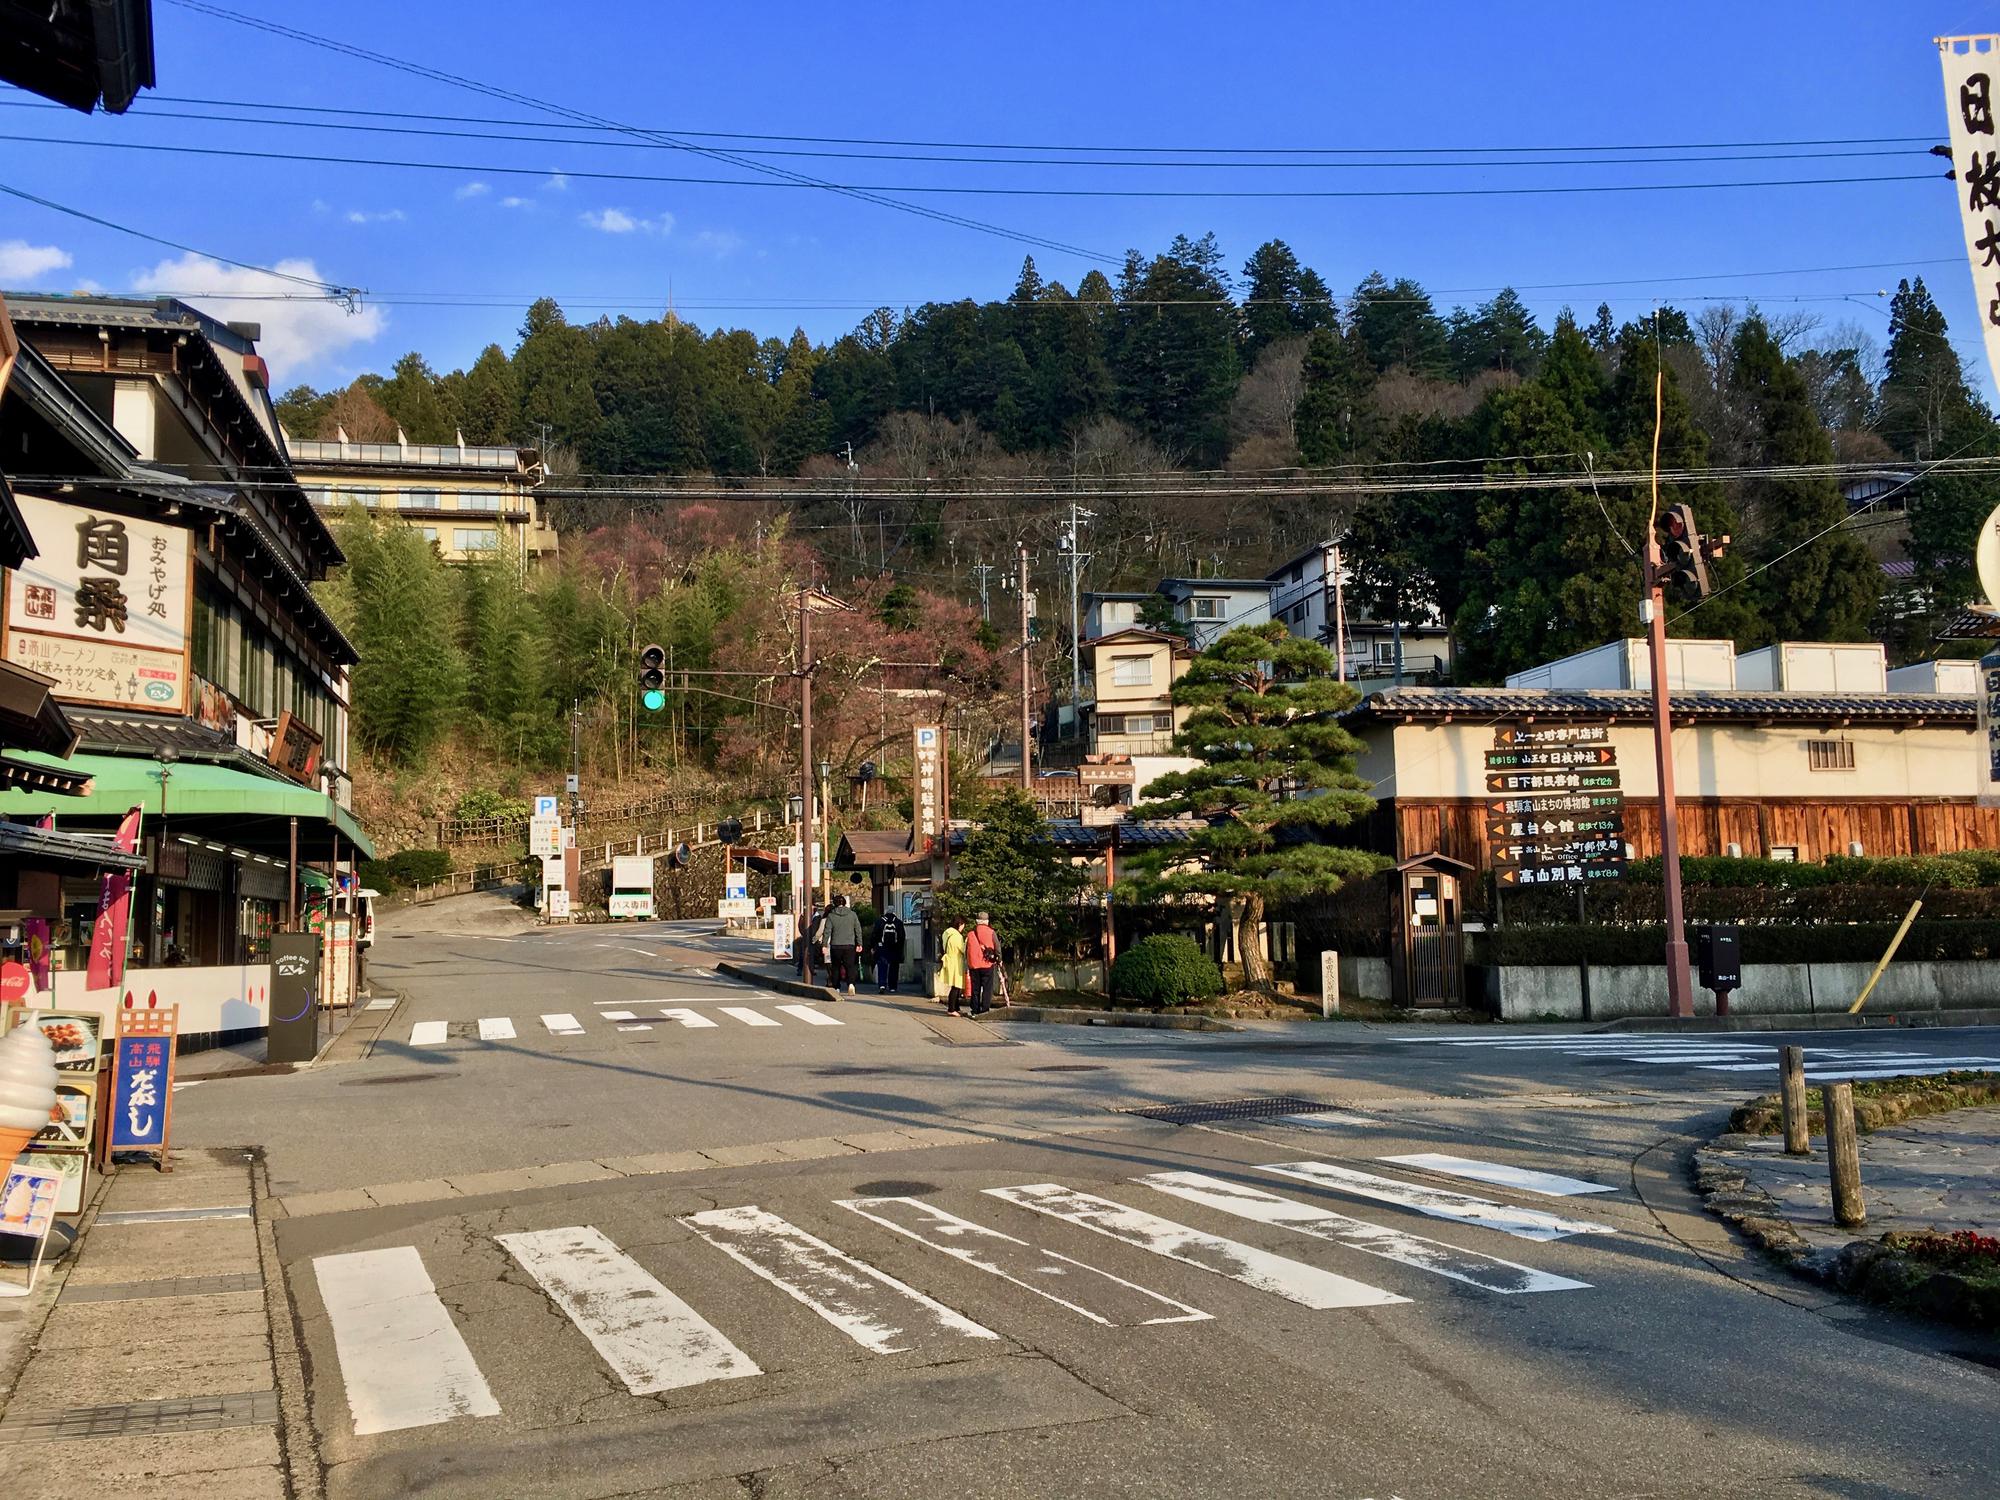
column 1556, row 810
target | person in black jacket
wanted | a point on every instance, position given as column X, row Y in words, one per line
column 888, row 937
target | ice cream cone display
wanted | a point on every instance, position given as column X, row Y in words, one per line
column 27, row 1089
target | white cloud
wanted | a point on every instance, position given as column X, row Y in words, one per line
column 557, row 182
column 517, row 203
column 21, row 261
column 721, row 243
column 384, row 216
column 472, row 190
column 297, row 334
column 610, row 220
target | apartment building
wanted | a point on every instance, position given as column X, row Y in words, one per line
column 469, row 501
column 1309, row 594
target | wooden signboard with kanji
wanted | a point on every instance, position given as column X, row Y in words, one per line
column 142, row 1082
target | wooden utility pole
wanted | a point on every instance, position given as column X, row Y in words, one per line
column 1680, row 992
column 805, row 883
column 1027, row 713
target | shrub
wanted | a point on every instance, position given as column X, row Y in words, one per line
column 411, row 867
column 484, row 803
column 1165, row 970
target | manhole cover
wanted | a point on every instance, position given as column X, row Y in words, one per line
column 358, row 1083
column 1229, row 1109
column 894, row 1187
column 1069, row 1068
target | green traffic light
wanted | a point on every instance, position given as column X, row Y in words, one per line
column 654, row 699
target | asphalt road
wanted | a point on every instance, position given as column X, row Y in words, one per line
column 913, row 1265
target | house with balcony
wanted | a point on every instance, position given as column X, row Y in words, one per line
column 1130, row 720
column 1212, row 606
column 1309, row 595
column 468, row 501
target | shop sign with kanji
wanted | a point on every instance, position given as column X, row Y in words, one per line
column 104, row 606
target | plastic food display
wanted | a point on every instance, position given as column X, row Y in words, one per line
column 27, row 1089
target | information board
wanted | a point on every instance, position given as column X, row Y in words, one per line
column 1556, row 810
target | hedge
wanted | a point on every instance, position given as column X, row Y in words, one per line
column 1166, row 970
column 1963, row 870
column 1860, row 942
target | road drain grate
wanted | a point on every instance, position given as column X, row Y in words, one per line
column 1069, row 1068
column 1229, row 1109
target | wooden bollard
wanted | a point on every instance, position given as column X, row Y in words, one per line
column 1792, row 1095
column 1843, row 1156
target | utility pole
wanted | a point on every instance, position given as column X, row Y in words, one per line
column 1680, row 992
column 575, row 761
column 1027, row 713
column 1072, row 543
column 806, row 789
column 1339, row 621
column 981, row 570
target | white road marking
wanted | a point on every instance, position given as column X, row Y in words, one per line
column 1487, row 1271
column 810, row 1016
column 1549, row 1184
column 1522, row 1223
column 618, row 1015
column 747, row 1016
column 651, row 1338
column 641, row 1026
column 1294, row 1280
column 496, row 1029
column 429, row 1034
column 1083, row 1289
column 871, row 1307
column 1833, row 1065
column 380, row 1005
column 685, row 1017
column 563, row 1024
column 403, row 1361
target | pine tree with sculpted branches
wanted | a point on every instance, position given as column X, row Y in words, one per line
column 1276, row 779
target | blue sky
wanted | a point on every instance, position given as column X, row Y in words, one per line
column 1163, row 74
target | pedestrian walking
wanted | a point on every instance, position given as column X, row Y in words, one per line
column 843, row 943
column 951, row 966
column 982, row 960
column 888, row 939
column 811, row 945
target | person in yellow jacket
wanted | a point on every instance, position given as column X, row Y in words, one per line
column 951, row 965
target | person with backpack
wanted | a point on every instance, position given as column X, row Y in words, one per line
column 842, row 935
column 888, row 938
column 982, row 962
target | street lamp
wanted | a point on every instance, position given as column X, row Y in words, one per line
column 795, row 808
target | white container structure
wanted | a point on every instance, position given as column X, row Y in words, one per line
column 1814, row 667
column 1958, row 677
column 1692, row 666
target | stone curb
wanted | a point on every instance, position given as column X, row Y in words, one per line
column 743, row 974
column 1061, row 1016
column 1816, row 1021
column 1726, row 1191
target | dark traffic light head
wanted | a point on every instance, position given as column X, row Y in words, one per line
column 653, row 677
column 1681, row 561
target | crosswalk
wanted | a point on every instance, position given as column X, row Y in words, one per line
column 405, row 1361
column 1721, row 1052
column 639, row 1018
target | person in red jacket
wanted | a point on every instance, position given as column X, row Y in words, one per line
column 982, row 963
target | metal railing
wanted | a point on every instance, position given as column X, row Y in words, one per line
column 498, row 830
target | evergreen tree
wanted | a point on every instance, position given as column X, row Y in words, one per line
column 1335, row 419
column 1603, row 333
column 1817, row 582
column 1399, row 327
column 302, row 410
column 411, row 396
column 490, row 399
column 1012, row 870
column 1923, row 383
column 554, row 366
column 1175, row 362
column 1281, row 298
column 1276, row 779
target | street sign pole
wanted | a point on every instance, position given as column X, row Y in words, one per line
column 1680, row 993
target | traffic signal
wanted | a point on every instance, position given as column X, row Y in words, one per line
column 1681, row 561
column 653, row 678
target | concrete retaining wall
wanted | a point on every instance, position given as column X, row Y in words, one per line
column 1531, row 992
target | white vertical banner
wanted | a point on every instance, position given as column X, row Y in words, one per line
column 1971, row 67
column 1989, row 729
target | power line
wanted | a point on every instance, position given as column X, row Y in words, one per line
column 797, row 179
column 872, row 191
column 345, row 295
column 840, row 140
column 1431, row 160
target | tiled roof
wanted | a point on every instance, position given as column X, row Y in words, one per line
column 1636, row 703
column 109, row 732
column 23, row 841
column 1971, row 625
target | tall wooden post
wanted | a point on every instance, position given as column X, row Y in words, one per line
column 1027, row 713
column 806, row 788
column 1792, row 1097
column 1843, row 1156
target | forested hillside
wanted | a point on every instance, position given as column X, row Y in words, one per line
column 1457, row 448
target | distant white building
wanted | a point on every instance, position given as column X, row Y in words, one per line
column 1309, row 596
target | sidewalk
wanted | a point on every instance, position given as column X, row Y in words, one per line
column 153, row 1373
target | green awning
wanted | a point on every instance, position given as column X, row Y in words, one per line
column 220, row 798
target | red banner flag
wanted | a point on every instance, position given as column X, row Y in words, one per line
column 114, row 905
